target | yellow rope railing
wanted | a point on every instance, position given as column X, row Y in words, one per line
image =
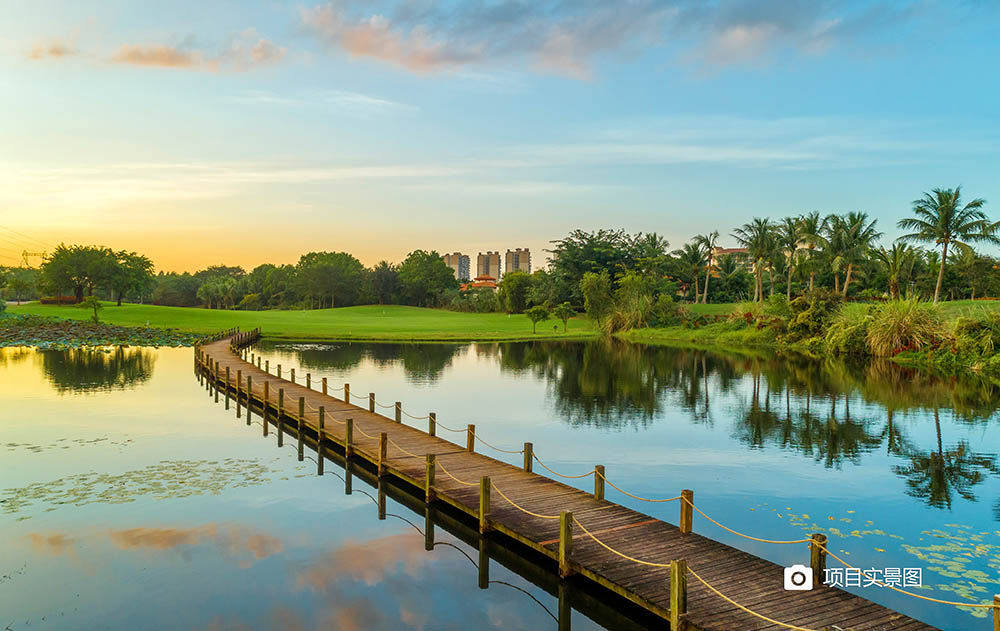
column 780, row 542
column 518, row 506
column 743, row 608
column 448, row 473
column 562, row 475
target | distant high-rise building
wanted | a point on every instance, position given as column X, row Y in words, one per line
column 459, row 263
column 488, row 264
column 519, row 259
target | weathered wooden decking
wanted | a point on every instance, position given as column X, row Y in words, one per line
column 751, row 581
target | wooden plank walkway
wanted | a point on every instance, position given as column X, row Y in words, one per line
column 753, row 582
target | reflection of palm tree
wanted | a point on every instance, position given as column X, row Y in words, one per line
column 935, row 476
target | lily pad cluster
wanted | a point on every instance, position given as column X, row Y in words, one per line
column 59, row 334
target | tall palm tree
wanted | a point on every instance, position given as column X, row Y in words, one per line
column 942, row 219
column 788, row 236
column 861, row 238
column 757, row 237
column 691, row 259
column 708, row 242
column 897, row 262
column 812, row 226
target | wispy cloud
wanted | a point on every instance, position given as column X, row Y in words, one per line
column 52, row 50
column 244, row 51
column 568, row 38
column 354, row 104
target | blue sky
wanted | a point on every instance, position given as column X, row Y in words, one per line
column 382, row 127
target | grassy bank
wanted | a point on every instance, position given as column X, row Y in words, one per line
column 373, row 322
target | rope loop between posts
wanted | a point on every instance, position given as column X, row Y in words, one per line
column 743, row 608
column 448, row 473
column 396, row 445
column 561, row 475
column 415, row 418
column 610, row 549
column 506, row 451
column 638, row 497
column 518, row 506
column 779, row 542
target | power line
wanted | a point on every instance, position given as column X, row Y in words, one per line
column 22, row 235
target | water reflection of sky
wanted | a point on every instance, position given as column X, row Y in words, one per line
column 778, row 448
column 141, row 504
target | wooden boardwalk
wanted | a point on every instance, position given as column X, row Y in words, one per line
column 752, row 582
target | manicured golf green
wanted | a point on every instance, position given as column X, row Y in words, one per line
column 372, row 322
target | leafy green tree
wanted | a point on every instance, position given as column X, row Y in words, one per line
column 425, row 278
column 514, row 289
column 538, row 313
column 176, row 290
column 564, row 312
column 91, row 302
column 250, row 302
column 132, row 274
column 77, row 269
column 385, row 283
column 329, row 279
column 596, row 290
column 942, row 219
column 707, row 242
column 21, row 283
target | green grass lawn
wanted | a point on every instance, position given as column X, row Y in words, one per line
column 372, row 322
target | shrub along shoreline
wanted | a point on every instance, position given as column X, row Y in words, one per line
column 819, row 323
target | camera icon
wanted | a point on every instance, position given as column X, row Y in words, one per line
column 798, row 578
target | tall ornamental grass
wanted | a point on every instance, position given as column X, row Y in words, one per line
column 847, row 331
column 904, row 325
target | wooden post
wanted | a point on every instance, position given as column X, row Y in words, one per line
column 266, row 402
column 302, row 424
column 432, row 424
column 484, row 563
column 529, row 455
column 320, row 435
column 227, row 387
column 381, row 500
column 348, row 478
column 678, row 595
column 308, row 381
column 322, row 416
column 431, row 468
column 565, row 617
column 239, row 384
column 565, row 542
column 599, row 482
column 484, row 504
column 291, row 377
column 428, row 528
column 267, row 366
column 817, row 557
column 371, row 401
column 324, row 385
column 349, row 438
column 215, row 380
column 281, row 410
column 258, row 363
column 249, row 397
column 687, row 503
column 399, row 411
column 383, row 447
column 253, row 358
column 347, row 393
column 279, row 371
column 996, row 612
column 470, row 438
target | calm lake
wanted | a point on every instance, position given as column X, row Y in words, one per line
column 130, row 499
